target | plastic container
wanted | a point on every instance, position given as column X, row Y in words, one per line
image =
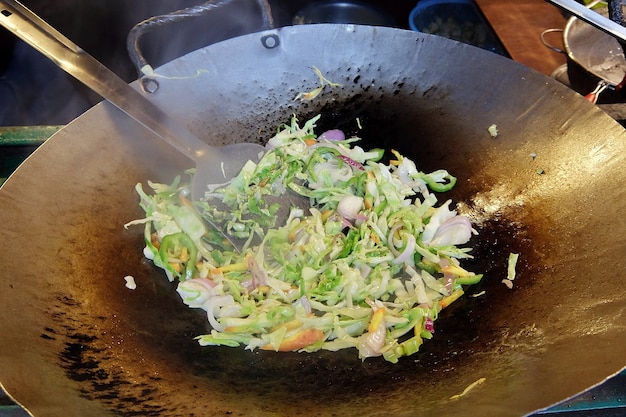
column 460, row 20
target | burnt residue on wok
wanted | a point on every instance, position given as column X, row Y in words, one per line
column 93, row 346
column 103, row 349
column 152, row 318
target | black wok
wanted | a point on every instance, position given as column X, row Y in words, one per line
column 77, row 342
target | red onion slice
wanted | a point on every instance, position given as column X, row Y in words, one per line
column 408, row 251
column 212, row 307
column 350, row 206
column 259, row 277
column 429, row 325
column 332, row 135
column 195, row 292
column 454, row 231
column 352, row 162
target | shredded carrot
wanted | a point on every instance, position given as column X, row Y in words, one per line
column 446, row 301
column 377, row 318
column 154, row 239
column 398, row 161
column 262, row 289
column 310, row 95
column 326, row 214
column 236, row 267
column 310, row 142
column 290, row 325
column 456, row 270
column 298, row 341
column 184, row 200
column 184, row 254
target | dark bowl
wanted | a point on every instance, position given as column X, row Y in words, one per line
column 343, row 12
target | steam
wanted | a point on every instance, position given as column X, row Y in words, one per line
column 33, row 91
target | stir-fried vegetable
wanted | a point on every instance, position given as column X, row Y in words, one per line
column 370, row 266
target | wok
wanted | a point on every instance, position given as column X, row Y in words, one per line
column 550, row 186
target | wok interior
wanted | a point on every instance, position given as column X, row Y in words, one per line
column 540, row 188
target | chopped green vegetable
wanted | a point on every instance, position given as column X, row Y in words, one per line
column 510, row 270
column 370, row 266
column 512, row 262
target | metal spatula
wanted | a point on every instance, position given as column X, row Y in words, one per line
column 214, row 165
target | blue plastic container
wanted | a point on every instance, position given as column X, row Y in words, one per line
column 460, row 20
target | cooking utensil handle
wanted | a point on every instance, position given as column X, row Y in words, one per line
column 595, row 19
column 547, row 44
column 71, row 58
column 593, row 96
column 148, row 82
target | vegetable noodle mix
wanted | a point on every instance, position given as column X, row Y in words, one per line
column 369, row 266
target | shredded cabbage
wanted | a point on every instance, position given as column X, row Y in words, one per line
column 370, row 266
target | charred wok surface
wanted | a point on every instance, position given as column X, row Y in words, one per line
column 98, row 348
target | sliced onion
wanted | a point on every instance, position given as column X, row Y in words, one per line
column 390, row 243
column 406, row 171
column 195, row 292
column 420, row 290
column 454, row 231
column 352, row 162
column 259, row 277
column 332, row 135
column 429, row 325
column 448, row 277
column 371, row 343
column 408, row 251
column 212, row 307
column 365, row 270
column 304, row 302
column 350, row 206
column 441, row 215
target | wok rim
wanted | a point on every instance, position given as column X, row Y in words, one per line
column 103, row 108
